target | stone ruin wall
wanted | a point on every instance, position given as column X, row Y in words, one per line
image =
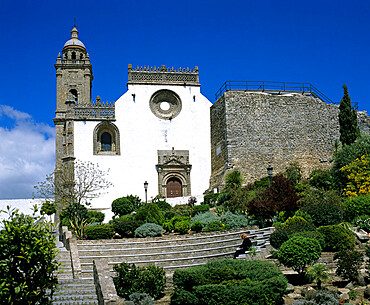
column 251, row 130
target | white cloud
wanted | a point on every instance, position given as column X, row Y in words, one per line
column 27, row 153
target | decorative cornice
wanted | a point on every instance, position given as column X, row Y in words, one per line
column 163, row 75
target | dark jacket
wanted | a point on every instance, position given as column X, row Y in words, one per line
column 246, row 244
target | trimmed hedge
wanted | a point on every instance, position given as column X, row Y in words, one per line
column 229, row 282
column 337, row 238
column 104, row 231
column 126, row 227
column 356, row 206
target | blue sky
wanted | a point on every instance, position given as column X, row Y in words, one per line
column 325, row 43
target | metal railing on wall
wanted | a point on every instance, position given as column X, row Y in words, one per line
column 273, row 87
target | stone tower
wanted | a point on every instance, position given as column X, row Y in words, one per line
column 74, row 81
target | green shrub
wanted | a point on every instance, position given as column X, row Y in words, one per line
column 356, row 206
column 182, row 227
column 197, row 226
column 167, row 226
column 337, row 238
column 278, row 237
column 149, row 230
column 95, row 216
column 319, row 297
column 48, row 208
column 349, row 264
column 263, row 183
column 103, row 231
column 163, row 205
column 215, row 226
column 130, row 279
column 314, row 235
column 321, row 179
column 205, row 218
column 168, row 215
column 179, row 218
column 200, row 209
column 211, row 199
column 299, row 252
column 182, row 210
column 229, row 282
column 122, row 206
column 234, row 221
column 324, row 214
column 140, row 299
column 126, row 227
column 150, row 212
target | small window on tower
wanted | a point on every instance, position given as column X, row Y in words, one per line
column 73, row 55
column 106, row 142
column 81, row 56
column 75, row 94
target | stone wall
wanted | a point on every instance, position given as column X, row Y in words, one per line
column 251, row 130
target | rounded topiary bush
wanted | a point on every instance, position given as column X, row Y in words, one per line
column 278, row 237
column 95, row 216
column 149, row 230
column 235, row 221
column 122, row 206
column 313, row 234
column 337, row 238
column 299, row 252
column 104, row 231
column 215, row 226
column 229, row 282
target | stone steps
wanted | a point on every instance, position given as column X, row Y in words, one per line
column 169, row 252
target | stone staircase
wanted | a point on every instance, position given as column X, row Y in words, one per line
column 170, row 252
column 72, row 291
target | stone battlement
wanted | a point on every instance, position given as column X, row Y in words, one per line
column 163, row 75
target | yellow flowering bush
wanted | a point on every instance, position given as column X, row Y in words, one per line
column 358, row 175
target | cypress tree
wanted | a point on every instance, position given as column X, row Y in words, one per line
column 348, row 127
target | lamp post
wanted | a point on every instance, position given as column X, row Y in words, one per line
column 146, row 191
column 269, row 172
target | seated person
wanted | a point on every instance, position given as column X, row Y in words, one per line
column 244, row 247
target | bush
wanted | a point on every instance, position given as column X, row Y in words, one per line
column 337, row 238
column 299, row 252
column 321, row 179
column 229, row 282
column 324, row 214
column 182, row 210
column 179, row 218
column 356, row 206
column 319, row 297
column 104, row 231
column 211, row 199
column 95, row 216
column 167, row 226
column 182, row 227
column 48, row 208
column 168, row 215
column 278, row 237
column 150, row 213
column 126, row 227
column 200, row 209
column 234, row 221
column 349, row 264
column 149, row 230
column 314, row 235
column 197, row 226
column 215, row 226
column 140, row 299
column 122, row 206
column 28, row 265
column 130, row 279
column 205, row 218
column 163, row 205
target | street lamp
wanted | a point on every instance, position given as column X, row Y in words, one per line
column 146, row 191
column 269, row 172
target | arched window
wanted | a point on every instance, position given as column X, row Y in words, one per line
column 75, row 94
column 73, row 55
column 106, row 139
column 81, row 56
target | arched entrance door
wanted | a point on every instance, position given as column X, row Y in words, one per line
column 174, row 187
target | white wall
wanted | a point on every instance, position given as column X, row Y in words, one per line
column 142, row 134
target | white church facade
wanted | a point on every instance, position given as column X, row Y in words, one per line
column 157, row 132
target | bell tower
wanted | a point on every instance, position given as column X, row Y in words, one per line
column 74, row 73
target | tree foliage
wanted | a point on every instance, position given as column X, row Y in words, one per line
column 281, row 196
column 79, row 184
column 358, row 177
column 27, row 260
column 348, row 126
column 233, row 180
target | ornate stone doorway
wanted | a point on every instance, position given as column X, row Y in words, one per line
column 173, row 173
column 174, row 187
